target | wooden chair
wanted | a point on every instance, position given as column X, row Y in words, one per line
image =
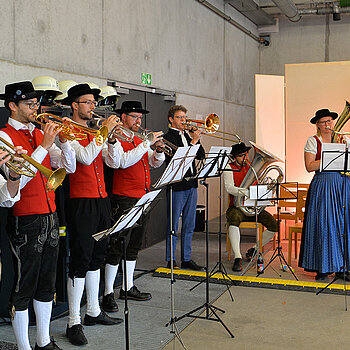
column 297, row 226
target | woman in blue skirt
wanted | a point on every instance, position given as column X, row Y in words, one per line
column 322, row 244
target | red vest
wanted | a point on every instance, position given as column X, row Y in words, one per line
column 35, row 199
column 135, row 180
column 88, row 180
column 238, row 176
column 319, row 147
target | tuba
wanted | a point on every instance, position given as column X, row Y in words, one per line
column 258, row 170
column 342, row 120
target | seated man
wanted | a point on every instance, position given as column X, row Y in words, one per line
column 232, row 179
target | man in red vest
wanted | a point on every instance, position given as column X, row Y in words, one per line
column 232, row 180
column 33, row 228
column 88, row 213
column 129, row 184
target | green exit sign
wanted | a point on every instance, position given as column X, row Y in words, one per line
column 146, row 78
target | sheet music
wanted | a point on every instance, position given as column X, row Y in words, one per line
column 333, row 156
column 259, row 192
column 178, row 165
column 128, row 220
column 212, row 156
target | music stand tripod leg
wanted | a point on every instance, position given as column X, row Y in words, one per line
column 206, row 306
column 173, row 319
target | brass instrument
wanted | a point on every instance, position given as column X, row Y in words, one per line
column 70, row 134
column 258, row 170
column 211, row 126
column 54, row 177
column 169, row 148
column 127, row 134
column 341, row 121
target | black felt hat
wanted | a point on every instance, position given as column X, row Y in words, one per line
column 323, row 113
column 80, row 90
column 239, row 148
column 23, row 90
column 131, row 106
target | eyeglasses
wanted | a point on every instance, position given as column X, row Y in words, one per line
column 135, row 116
column 90, row 103
column 31, row 105
column 180, row 117
column 325, row 121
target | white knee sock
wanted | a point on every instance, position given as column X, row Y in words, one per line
column 75, row 289
column 111, row 272
column 43, row 316
column 130, row 268
column 92, row 284
column 235, row 238
column 20, row 325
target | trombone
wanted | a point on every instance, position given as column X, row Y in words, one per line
column 54, row 177
column 211, row 126
column 70, row 134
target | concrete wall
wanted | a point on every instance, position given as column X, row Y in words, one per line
column 312, row 39
column 186, row 47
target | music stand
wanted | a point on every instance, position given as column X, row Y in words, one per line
column 335, row 157
column 209, row 170
column 269, row 195
column 215, row 165
column 175, row 172
column 126, row 222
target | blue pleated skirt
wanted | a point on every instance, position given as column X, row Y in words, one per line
column 324, row 228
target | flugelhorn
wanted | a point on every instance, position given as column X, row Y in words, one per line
column 70, row 134
column 211, row 126
column 127, row 134
column 54, row 177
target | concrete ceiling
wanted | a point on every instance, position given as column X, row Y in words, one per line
column 263, row 12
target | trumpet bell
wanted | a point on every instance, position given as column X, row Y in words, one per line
column 55, row 178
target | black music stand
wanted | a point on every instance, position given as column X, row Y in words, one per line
column 208, row 170
column 338, row 160
column 214, row 166
column 125, row 223
column 175, row 172
column 278, row 252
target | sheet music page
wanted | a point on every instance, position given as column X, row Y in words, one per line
column 129, row 219
column 182, row 158
column 213, row 153
column 332, row 156
column 259, row 192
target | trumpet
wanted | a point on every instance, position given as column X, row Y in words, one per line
column 211, row 126
column 70, row 134
column 127, row 134
column 54, row 177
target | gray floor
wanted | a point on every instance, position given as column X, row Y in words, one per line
column 281, row 314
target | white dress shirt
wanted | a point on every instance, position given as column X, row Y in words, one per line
column 64, row 157
column 5, row 198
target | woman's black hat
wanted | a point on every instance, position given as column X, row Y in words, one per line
column 131, row 106
column 239, row 148
column 80, row 90
column 323, row 113
column 23, row 90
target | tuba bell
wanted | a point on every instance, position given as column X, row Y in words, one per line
column 258, row 170
column 341, row 121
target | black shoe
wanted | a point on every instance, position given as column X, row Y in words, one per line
column 134, row 294
column 340, row 275
column 76, row 335
column 51, row 346
column 191, row 265
column 108, row 303
column 320, row 276
column 174, row 265
column 102, row 318
column 250, row 253
column 237, row 265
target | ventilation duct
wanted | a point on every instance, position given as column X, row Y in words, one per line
column 289, row 9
